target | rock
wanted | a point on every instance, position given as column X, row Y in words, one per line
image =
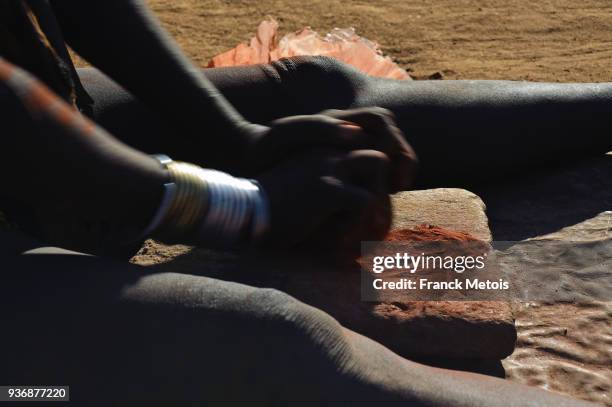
column 597, row 228
column 450, row 208
column 481, row 330
column 562, row 347
column 565, row 348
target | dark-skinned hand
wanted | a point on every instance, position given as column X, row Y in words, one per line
column 346, row 130
column 330, row 201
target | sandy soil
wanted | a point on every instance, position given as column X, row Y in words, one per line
column 551, row 40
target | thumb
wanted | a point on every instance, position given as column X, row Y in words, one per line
column 293, row 134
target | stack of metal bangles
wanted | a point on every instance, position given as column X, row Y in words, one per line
column 209, row 208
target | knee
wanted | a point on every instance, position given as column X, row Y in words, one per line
column 290, row 314
column 319, row 336
column 325, row 68
column 321, row 82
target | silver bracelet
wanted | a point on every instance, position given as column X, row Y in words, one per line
column 164, row 206
column 261, row 215
column 237, row 214
column 238, row 211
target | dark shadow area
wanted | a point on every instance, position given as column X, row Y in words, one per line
column 487, row 367
column 545, row 202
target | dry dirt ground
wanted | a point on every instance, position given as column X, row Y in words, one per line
column 549, row 40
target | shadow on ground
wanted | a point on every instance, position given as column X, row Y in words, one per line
column 545, row 202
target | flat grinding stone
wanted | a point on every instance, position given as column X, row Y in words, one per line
column 466, row 330
column 565, row 346
column 472, row 329
column 562, row 346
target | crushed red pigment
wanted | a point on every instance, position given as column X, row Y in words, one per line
column 428, row 233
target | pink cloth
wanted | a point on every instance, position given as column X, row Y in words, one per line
column 343, row 44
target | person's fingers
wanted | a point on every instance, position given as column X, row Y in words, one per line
column 328, row 201
column 349, row 209
column 368, row 215
column 380, row 124
column 368, row 169
column 358, row 215
column 391, row 140
column 294, row 134
column 301, row 200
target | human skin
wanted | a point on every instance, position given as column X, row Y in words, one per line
column 337, row 364
column 127, row 181
column 149, row 337
column 94, row 182
column 202, row 118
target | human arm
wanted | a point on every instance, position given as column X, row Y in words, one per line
column 125, row 40
column 65, row 168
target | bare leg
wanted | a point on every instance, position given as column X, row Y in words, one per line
column 465, row 132
column 468, row 132
column 121, row 335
